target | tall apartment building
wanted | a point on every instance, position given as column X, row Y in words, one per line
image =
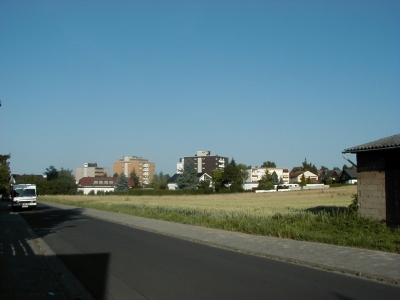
column 204, row 162
column 91, row 170
column 143, row 168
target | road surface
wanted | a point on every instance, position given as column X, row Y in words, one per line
column 120, row 262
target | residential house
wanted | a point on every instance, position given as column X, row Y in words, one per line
column 296, row 176
column 25, row 178
column 172, row 182
column 103, row 184
column 331, row 176
column 348, row 176
column 378, row 179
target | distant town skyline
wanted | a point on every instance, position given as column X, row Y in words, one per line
column 93, row 81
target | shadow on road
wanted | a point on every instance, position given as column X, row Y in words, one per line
column 89, row 268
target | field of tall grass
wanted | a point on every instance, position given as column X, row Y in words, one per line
column 312, row 215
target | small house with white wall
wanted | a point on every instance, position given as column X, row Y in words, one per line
column 96, row 184
column 296, row 176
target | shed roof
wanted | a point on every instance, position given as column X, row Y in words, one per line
column 381, row 144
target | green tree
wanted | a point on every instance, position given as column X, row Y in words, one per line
column 160, row 181
column 274, row 178
column 303, row 181
column 57, row 182
column 135, row 178
column 243, row 172
column 5, row 173
column 188, row 179
column 115, row 175
column 122, row 184
column 265, row 183
column 309, row 167
column 51, row 173
column 233, row 177
column 65, row 183
column 217, row 175
column 268, row 164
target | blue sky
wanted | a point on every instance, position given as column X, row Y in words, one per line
column 93, row 81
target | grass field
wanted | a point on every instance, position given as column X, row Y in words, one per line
column 313, row 215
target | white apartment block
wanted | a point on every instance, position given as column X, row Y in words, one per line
column 255, row 174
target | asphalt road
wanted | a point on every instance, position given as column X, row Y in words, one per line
column 120, row 262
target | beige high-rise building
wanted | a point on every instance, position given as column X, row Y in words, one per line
column 143, row 168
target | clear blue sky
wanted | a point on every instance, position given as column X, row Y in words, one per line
column 93, row 81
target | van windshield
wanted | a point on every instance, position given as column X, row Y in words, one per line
column 24, row 193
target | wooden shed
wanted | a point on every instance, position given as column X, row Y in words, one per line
column 378, row 174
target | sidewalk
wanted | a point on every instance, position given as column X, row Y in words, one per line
column 377, row 265
column 29, row 270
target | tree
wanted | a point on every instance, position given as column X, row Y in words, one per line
column 5, row 173
column 323, row 168
column 122, row 184
column 65, row 183
column 135, row 178
column 268, row 164
column 51, row 173
column 303, row 180
column 217, row 175
column 265, row 183
column 309, row 167
column 188, row 179
column 115, row 175
column 58, row 182
column 274, row 178
column 233, row 177
column 160, row 181
column 243, row 172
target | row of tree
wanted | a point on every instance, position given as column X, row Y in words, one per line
column 229, row 179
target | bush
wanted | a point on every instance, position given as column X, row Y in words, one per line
column 266, row 186
column 353, row 207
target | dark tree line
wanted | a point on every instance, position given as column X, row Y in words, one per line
column 55, row 182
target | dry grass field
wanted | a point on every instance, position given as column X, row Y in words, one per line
column 266, row 204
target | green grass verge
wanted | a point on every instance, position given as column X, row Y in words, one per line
column 333, row 225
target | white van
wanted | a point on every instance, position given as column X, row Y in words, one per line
column 23, row 196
